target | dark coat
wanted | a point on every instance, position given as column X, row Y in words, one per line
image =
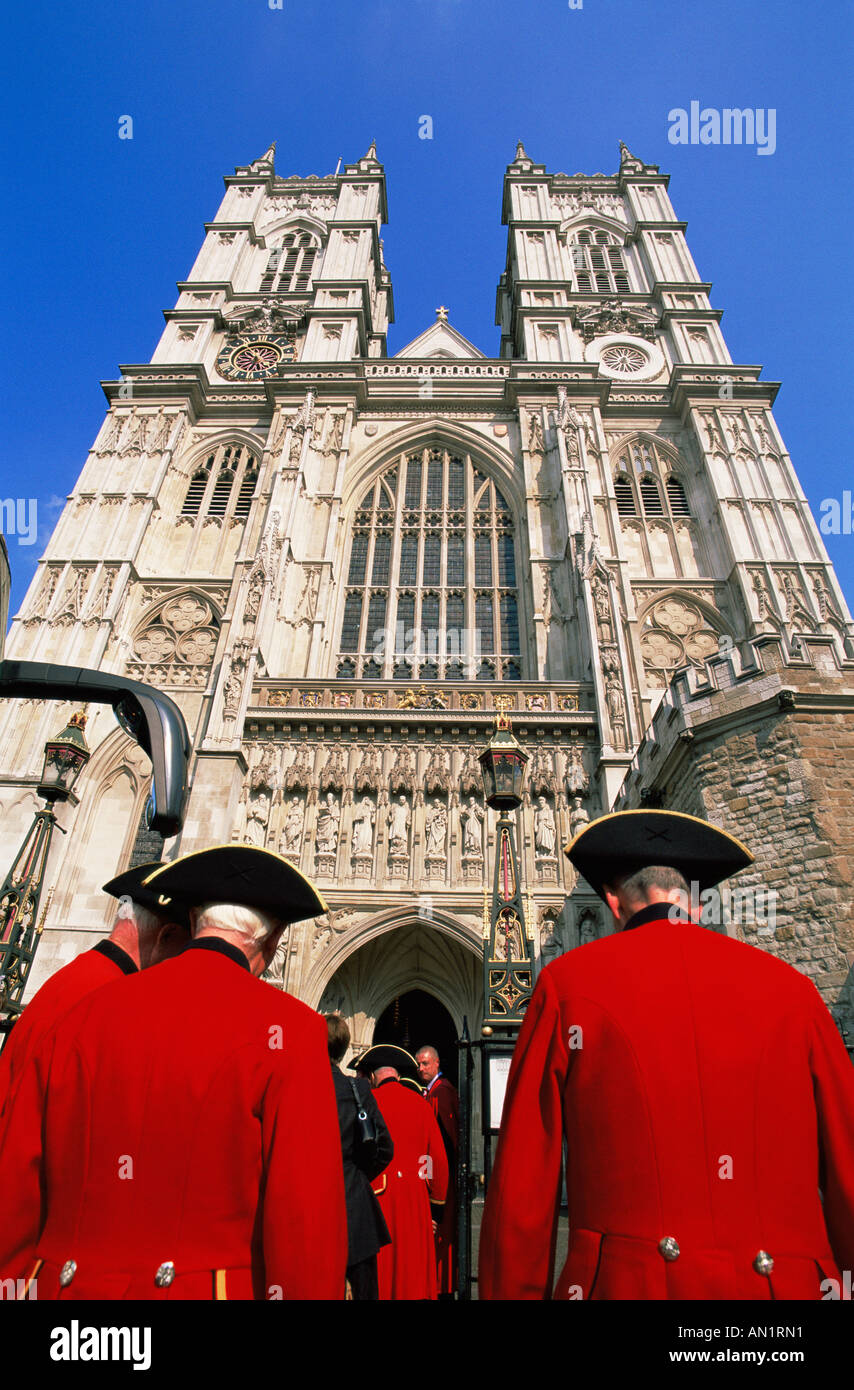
column 366, row 1228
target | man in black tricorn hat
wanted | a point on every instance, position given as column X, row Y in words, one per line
column 701, row 1087
column 191, row 1143
column 148, row 928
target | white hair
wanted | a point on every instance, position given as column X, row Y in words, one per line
column 131, row 911
column 247, row 922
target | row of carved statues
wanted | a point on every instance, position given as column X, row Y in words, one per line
column 369, row 815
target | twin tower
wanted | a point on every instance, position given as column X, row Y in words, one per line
column 343, row 565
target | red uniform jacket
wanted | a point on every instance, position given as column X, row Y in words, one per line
column 416, row 1177
column 445, row 1103
column 103, row 965
column 191, row 1145
column 704, row 1094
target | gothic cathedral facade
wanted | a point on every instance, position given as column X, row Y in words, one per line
column 343, row 565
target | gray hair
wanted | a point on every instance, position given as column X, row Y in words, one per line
column 248, row 922
column 129, row 910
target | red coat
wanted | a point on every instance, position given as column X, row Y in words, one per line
column 103, row 965
column 191, row 1120
column 416, row 1178
column 445, row 1103
column 704, row 1094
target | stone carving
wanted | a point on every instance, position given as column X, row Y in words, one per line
column 364, row 816
column 292, row 829
column 588, row 927
column 75, row 591
column 263, row 776
column 714, row 438
column 44, row 596
column 335, row 436
column 824, row 598
column 334, row 774
column 437, row 830
column 109, row 444
column 602, row 608
column 398, row 823
column 233, row 687
column 541, row 774
column 298, row 776
column 368, row 776
column 422, row 698
column 328, row 819
column 553, row 608
column 303, row 421
column 275, row 973
column 471, row 818
column 571, row 423
column 403, row 773
column 437, row 777
column 675, row 633
column 134, row 442
column 471, row 700
column 766, row 443
column 161, row 430
column 177, row 645
column 797, row 614
column 257, row 816
column 101, row 596
column 536, row 443
column 545, row 832
column 306, row 609
column 471, row 777
column 585, row 200
column 738, row 433
column 613, row 316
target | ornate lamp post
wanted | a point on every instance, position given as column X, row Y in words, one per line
column 508, row 965
column 64, row 759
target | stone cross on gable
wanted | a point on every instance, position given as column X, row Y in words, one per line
column 442, row 314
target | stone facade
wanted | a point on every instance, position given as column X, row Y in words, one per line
column 763, row 744
column 343, row 565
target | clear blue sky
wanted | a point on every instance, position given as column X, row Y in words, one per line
column 98, row 229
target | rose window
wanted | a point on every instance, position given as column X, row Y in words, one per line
column 675, row 633
column 622, row 357
column 177, row 646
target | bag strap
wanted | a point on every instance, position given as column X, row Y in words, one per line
column 360, row 1104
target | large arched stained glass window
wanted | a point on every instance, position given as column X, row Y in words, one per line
column 431, row 576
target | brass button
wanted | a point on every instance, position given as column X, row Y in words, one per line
column 67, row 1273
column 762, row 1262
column 668, row 1246
column 165, row 1274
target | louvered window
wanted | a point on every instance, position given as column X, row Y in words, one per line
column 598, row 266
column 290, row 266
column 676, row 497
column 625, row 497
column 224, row 486
column 651, row 497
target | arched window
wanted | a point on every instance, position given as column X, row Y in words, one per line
column 290, row 265
column 431, row 576
column 598, row 264
column 212, row 490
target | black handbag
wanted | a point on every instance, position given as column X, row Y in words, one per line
column 366, row 1130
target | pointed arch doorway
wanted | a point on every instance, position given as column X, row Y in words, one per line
column 415, row 1019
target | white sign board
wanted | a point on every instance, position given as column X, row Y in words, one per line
column 499, row 1070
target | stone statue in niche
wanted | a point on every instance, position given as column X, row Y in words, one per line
column 292, row 829
column 472, row 817
column 328, row 818
column 437, row 830
column 363, row 827
column 545, row 833
column 398, row 820
column 257, row 815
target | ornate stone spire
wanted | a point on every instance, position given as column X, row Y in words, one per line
column 267, row 161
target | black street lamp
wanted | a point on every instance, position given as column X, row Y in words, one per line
column 508, row 965
column 64, row 759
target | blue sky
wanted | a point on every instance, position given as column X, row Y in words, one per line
column 98, row 229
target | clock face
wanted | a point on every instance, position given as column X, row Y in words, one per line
column 252, row 359
column 257, row 359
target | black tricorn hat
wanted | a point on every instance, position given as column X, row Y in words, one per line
column 130, row 884
column 386, row 1055
column 243, row 875
column 625, row 841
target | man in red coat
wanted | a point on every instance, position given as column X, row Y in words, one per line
column 144, row 933
column 445, row 1104
column 191, row 1145
column 702, row 1089
column 413, row 1188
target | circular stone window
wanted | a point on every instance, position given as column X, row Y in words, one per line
column 624, row 358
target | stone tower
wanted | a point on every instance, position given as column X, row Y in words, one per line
column 342, row 565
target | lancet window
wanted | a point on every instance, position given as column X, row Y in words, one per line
column 289, row 266
column 597, row 259
column 431, row 588
column 223, row 485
